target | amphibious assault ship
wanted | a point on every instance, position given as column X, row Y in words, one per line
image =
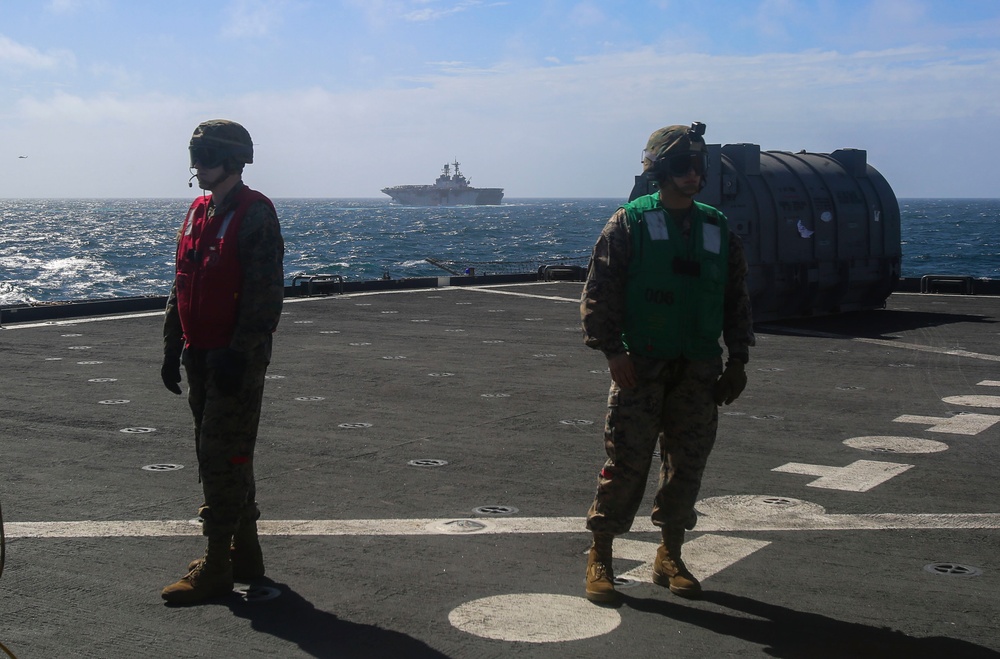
column 450, row 189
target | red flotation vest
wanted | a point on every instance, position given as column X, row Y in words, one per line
column 209, row 273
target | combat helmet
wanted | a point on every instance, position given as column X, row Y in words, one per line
column 221, row 142
column 673, row 150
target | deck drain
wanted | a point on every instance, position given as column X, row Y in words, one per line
column 79, row 347
column 901, row 365
column 114, row 401
column 362, row 304
column 89, row 363
column 360, row 343
column 303, row 322
column 463, row 303
column 837, row 351
column 495, row 395
column 576, row 422
column 427, row 462
column 953, row 570
column 255, row 594
column 163, row 467
column 459, row 526
column 770, row 369
column 329, row 331
column 777, row 501
column 274, row 377
column 440, row 375
column 103, row 380
column 495, row 511
column 851, row 387
column 766, row 417
column 309, row 399
column 534, row 319
column 70, row 335
column 350, row 426
column 544, row 354
column 138, row 430
column 494, row 341
column 454, row 330
column 388, row 312
column 395, row 357
column 496, row 311
column 601, row 371
column 53, row 359
column 420, row 320
column 625, row 582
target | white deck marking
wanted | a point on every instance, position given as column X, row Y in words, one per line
column 973, row 401
column 989, row 383
column 859, row 476
column 727, row 517
column 81, row 321
column 893, row 444
column 921, row 348
column 886, row 343
column 534, row 618
column 705, row 555
column 960, row 424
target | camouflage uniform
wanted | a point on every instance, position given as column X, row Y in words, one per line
column 226, row 424
column 673, row 401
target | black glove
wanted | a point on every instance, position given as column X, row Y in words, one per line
column 731, row 383
column 170, row 371
column 227, row 367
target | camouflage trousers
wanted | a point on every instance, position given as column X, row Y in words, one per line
column 672, row 403
column 225, row 431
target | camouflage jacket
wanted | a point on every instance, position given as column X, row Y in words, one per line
column 602, row 306
column 262, row 251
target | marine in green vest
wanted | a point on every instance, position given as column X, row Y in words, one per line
column 666, row 281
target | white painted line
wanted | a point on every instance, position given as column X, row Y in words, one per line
column 859, row 476
column 705, row 555
column 80, row 321
column 886, row 343
column 973, row 401
column 722, row 514
column 989, row 383
column 515, row 294
column 960, row 424
column 920, row 348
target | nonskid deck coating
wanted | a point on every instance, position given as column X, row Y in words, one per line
column 373, row 556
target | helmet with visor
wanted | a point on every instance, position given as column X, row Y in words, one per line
column 221, row 142
column 674, row 151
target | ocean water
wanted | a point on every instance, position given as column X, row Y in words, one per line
column 66, row 249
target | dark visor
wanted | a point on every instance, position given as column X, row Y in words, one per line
column 682, row 163
column 206, row 156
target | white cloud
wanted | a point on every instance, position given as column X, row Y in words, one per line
column 252, row 18
column 551, row 130
column 18, row 56
column 73, row 6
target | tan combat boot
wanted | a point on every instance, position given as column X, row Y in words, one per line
column 600, row 575
column 211, row 577
column 668, row 568
column 245, row 553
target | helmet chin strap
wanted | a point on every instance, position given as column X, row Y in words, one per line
column 211, row 184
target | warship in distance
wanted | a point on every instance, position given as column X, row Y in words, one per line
column 450, row 189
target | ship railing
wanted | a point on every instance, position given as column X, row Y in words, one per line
column 548, row 269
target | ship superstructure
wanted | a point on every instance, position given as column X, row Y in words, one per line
column 450, row 189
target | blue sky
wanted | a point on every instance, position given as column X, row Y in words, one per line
column 546, row 98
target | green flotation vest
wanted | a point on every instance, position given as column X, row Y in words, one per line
column 676, row 287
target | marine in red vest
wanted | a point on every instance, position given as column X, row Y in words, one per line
column 222, row 311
